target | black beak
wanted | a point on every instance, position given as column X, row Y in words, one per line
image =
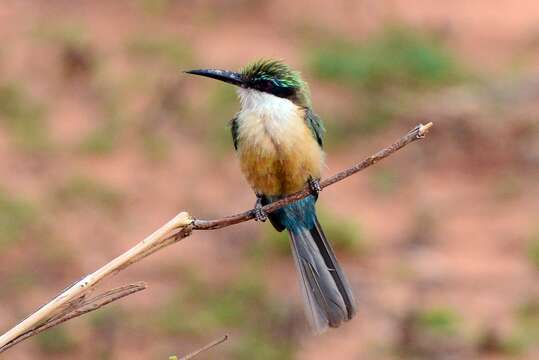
column 223, row 75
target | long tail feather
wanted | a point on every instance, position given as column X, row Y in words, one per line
column 328, row 297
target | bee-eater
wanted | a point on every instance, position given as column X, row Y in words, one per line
column 278, row 140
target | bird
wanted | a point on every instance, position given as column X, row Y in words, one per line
column 279, row 143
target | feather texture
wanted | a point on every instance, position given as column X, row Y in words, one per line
column 276, row 147
column 328, row 297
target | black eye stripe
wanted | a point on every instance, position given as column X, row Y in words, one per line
column 272, row 86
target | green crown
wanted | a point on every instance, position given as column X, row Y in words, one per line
column 279, row 73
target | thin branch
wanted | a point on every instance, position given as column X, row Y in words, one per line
column 72, row 299
column 417, row 133
column 84, row 307
column 204, row 348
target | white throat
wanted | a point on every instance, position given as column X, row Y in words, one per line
column 267, row 105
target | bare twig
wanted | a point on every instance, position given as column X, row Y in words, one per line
column 204, row 348
column 417, row 133
column 72, row 299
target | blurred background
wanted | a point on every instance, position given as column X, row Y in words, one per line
column 103, row 139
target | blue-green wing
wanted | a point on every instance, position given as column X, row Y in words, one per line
column 234, row 131
column 317, row 127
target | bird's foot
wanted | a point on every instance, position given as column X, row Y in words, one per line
column 260, row 214
column 314, row 185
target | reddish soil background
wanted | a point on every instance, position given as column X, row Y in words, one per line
column 446, row 267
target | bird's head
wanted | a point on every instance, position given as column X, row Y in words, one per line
column 268, row 76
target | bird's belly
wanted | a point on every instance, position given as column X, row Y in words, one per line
column 278, row 158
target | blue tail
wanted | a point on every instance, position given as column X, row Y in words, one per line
column 328, row 296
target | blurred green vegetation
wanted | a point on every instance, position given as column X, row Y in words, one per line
column 56, row 341
column 104, row 325
column 430, row 333
column 55, row 253
column 222, row 106
column 156, row 147
column 508, row 187
column 384, row 180
column 528, row 318
column 369, row 115
column 398, row 56
column 23, row 118
column 222, row 99
column 105, row 317
column 533, row 249
column 105, row 137
column 166, row 116
column 101, row 140
column 81, row 190
column 242, row 304
column 525, row 333
column 259, row 345
column 154, row 7
column 19, row 282
column 17, row 216
column 440, row 321
column 70, row 33
column 386, row 72
column 168, row 49
column 345, row 235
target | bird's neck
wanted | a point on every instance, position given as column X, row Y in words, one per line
column 266, row 105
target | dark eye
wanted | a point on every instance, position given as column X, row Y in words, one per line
column 266, row 85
